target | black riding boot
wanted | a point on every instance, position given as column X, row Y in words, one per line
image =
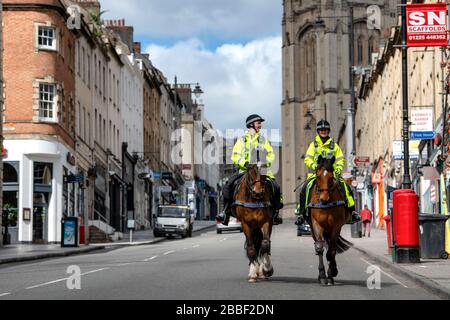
column 301, row 219
column 277, row 219
column 354, row 216
column 224, row 216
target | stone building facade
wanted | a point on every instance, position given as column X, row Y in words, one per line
column 316, row 73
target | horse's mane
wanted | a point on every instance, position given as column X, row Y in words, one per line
column 326, row 163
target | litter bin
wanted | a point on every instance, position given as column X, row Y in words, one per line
column 69, row 232
column 432, row 236
column 356, row 230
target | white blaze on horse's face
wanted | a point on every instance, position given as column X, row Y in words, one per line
column 325, row 173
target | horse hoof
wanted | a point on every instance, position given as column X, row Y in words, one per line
column 323, row 282
column 330, row 282
column 252, row 280
column 268, row 274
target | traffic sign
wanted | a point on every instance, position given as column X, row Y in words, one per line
column 361, row 161
column 429, row 135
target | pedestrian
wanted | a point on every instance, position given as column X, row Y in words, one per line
column 366, row 218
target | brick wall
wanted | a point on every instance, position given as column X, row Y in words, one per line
column 25, row 65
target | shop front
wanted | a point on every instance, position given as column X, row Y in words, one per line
column 34, row 193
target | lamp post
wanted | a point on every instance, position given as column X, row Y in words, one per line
column 406, row 177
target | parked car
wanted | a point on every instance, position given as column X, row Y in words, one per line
column 234, row 225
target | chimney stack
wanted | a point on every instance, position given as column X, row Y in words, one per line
column 137, row 47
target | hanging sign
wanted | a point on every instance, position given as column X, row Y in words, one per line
column 422, row 123
column 427, row 25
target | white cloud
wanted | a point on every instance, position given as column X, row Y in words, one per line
column 238, row 79
column 181, row 18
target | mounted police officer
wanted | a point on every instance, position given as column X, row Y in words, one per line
column 325, row 146
column 241, row 157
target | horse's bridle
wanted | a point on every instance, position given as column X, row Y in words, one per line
column 329, row 190
column 250, row 186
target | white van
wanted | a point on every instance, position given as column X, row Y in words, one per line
column 174, row 220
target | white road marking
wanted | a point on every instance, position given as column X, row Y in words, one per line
column 5, row 294
column 61, row 280
column 222, row 240
column 396, row 280
column 149, row 259
column 168, row 252
column 46, row 284
column 196, row 246
column 94, row 271
column 124, row 264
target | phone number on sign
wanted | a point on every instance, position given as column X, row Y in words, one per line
column 429, row 37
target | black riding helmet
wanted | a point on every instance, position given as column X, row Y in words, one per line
column 252, row 119
column 323, row 124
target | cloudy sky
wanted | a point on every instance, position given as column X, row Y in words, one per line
column 232, row 48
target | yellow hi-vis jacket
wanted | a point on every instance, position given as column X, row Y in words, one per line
column 329, row 148
column 242, row 152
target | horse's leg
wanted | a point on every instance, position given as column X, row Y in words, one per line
column 333, row 270
column 331, row 257
column 320, row 248
column 266, row 269
column 251, row 253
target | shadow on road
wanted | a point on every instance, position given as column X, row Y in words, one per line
column 338, row 282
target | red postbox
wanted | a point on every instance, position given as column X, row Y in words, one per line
column 406, row 226
column 387, row 219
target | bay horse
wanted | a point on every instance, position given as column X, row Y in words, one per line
column 253, row 208
column 328, row 215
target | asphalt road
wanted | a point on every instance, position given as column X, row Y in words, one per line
column 206, row 267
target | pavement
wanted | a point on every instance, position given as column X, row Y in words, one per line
column 25, row 252
column 432, row 274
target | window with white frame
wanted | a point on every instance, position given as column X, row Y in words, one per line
column 47, row 102
column 47, row 37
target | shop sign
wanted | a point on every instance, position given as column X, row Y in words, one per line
column 427, row 25
column 398, row 152
column 422, row 123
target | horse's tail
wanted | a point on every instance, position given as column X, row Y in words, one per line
column 343, row 245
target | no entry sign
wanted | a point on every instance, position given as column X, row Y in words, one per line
column 427, row 25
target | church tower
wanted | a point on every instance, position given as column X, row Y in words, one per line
column 316, row 72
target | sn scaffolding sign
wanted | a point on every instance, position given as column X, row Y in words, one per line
column 427, row 25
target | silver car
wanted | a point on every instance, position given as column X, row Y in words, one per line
column 234, row 225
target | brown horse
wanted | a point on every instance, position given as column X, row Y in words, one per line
column 253, row 209
column 328, row 215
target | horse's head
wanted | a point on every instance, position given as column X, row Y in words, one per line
column 255, row 182
column 325, row 178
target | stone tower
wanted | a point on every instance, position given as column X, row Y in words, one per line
column 316, row 72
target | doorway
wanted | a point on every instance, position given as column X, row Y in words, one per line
column 40, row 218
